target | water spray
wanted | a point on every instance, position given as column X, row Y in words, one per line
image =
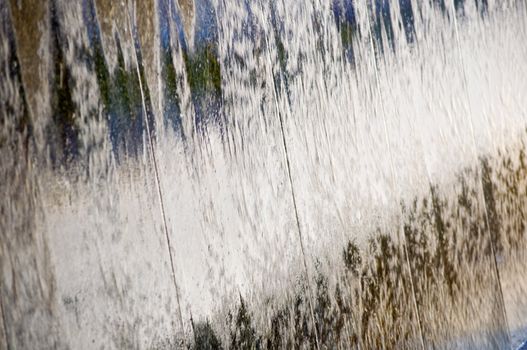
column 156, row 170
column 480, row 180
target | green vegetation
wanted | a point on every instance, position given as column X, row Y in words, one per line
column 203, row 70
column 63, row 131
column 347, row 34
column 204, row 337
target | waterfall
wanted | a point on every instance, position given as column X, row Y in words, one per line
column 263, row 174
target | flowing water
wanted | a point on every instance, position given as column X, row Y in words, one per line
column 263, row 174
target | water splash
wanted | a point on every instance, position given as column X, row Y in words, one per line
column 354, row 124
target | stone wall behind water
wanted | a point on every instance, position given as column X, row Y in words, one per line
column 235, row 174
